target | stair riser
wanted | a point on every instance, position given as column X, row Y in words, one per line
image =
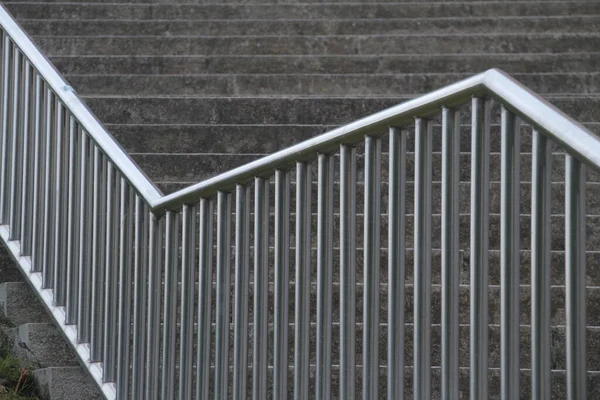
column 383, row 64
column 293, row 111
column 557, row 304
column 320, row 45
column 314, row 85
column 266, row 139
column 284, row 11
column 191, row 168
column 308, row 27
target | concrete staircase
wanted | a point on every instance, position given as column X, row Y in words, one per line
column 193, row 89
column 36, row 342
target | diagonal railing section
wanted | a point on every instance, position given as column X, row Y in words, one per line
column 289, row 275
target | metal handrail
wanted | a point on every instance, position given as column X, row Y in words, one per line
column 77, row 107
column 99, row 266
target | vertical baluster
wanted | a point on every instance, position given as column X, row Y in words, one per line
column 372, row 246
column 154, row 300
column 111, row 273
column 170, row 307
column 60, row 208
column 73, row 223
column 422, row 268
column 188, row 286
column 282, row 284
column 98, row 254
column 324, row 275
column 261, row 287
column 302, row 283
column 396, row 262
column 204, row 298
column 242, row 272
column 6, row 85
column 125, row 282
column 222, row 294
column 48, row 208
column 347, row 272
column 26, row 168
column 541, row 254
column 84, row 295
column 140, row 298
column 450, row 252
column 37, row 190
column 480, row 179
column 510, row 262
column 14, row 209
column 575, row 304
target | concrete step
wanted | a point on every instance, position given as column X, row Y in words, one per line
column 247, row 2
column 66, row 383
column 274, row 110
column 318, row 45
column 557, row 262
column 42, row 345
column 266, row 139
column 557, row 352
column 569, row 62
column 309, row 84
column 35, row 10
column 199, row 166
column 463, row 25
column 557, row 265
column 19, row 305
column 558, row 379
column 557, row 309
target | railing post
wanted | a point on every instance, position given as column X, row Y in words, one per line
column 575, row 282
column 541, row 202
column 324, row 275
column 84, row 297
column 422, row 269
column 302, row 283
column 5, row 154
column 242, row 273
column 124, row 288
column 26, row 168
column 48, row 196
column 480, row 178
column 261, row 287
column 396, row 263
column 510, row 262
column 14, row 208
column 450, row 253
column 73, row 217
column 155, row 246
column 37, row 222
column 347, row 272
column 60, row 208
column 188, row 287
column 204, row 298
column 222, row 295
column 282, row 284
column 171, row 290
column 140, row 298
column 371, row 270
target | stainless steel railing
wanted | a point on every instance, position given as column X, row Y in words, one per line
column 146, row 286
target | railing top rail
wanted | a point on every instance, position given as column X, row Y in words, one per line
column 494, row 83
column 79, row 110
